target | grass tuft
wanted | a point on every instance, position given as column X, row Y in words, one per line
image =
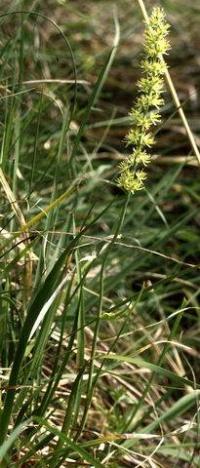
column 99, row 348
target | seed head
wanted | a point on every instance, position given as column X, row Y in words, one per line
column 145, row 113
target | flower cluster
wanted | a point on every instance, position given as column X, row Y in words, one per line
column 145, row 113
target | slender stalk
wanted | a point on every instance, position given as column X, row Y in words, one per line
column 174, row 94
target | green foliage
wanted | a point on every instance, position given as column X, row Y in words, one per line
column 99, row 292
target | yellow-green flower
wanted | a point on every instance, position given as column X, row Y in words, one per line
column 138, row 138
column 145, row 113
column 139, row 157
column 131, row 181
column 156, row 68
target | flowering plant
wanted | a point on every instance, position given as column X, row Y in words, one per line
column 146, row 112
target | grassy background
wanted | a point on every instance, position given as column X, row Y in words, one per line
column 99, row 291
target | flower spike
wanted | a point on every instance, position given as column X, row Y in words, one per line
column 145, row 113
